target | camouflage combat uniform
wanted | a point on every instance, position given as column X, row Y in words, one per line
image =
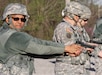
column 67, row 65
column 85, row 38
column 94, row 63
column 15, row 47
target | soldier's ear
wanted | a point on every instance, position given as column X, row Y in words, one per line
column 7, row 19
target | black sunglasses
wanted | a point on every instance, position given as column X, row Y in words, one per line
column 78, row 16
column 85, row 19
column 17, row 19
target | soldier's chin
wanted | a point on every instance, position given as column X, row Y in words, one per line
column 18, row 29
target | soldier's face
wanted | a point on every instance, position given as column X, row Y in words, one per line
column 18, row 21
column 76, row 18
column 84, row 22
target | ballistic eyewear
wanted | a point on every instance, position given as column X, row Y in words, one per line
column 17, row 19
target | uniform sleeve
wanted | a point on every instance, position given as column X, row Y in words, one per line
column 21, row 42
column 63, row 34
column 86, row 35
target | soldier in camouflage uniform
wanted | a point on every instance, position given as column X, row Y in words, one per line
column 66, row 32
column 16, row 46
column 92, row 66
column 85, row 37
column 82, row 22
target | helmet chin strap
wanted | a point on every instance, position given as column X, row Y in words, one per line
column 75, row 20
column 71, row 16
column 9, row 20
column 80, row 20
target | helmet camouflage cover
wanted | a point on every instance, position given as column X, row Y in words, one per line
column 86, row 13
column 15, row 8
column 72, row 8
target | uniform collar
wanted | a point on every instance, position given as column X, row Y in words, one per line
column 5, row 25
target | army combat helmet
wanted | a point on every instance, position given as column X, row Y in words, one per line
column 15, row 8
column 86, row 13
column 71, row 9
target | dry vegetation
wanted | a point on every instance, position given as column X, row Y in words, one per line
column 45, row 15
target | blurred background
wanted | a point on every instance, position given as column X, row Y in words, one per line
column 46, row 14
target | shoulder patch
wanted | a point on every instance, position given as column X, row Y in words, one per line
column 69, row 32
column 68, row 35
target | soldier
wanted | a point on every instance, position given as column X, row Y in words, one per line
column 15, row 46
column 92, row 66
column 82, row 22
column 84, row 35
column 66, row 32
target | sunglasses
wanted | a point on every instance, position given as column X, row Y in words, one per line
column 17, row 19
column 78, row 16
column 85, row 20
